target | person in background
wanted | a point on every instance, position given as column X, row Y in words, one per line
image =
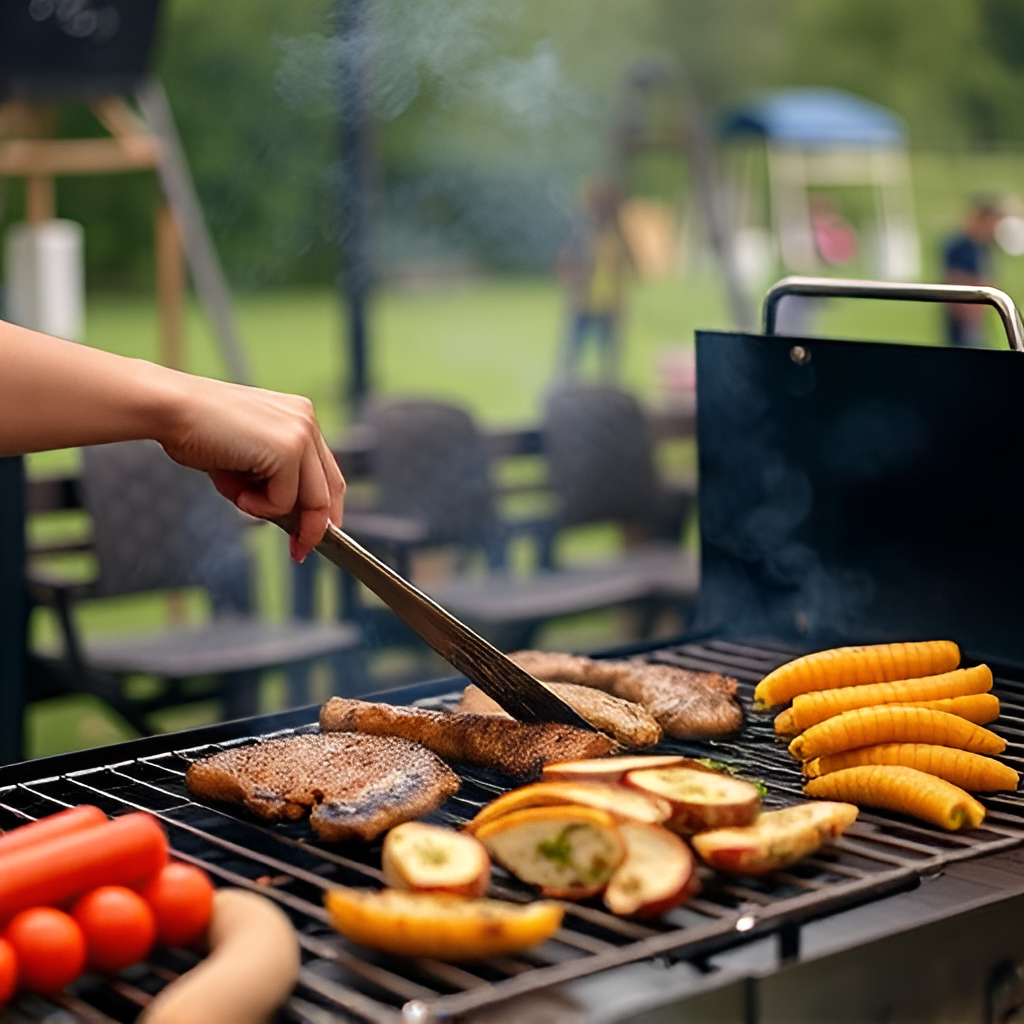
column 966, row 259
column 263, row 450
column 593, row 266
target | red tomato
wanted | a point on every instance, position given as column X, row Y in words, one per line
column 181, row 897
column 8, row 971
column 118, row 926
column 49, row 946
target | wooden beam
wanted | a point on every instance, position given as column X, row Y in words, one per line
column 41, row 157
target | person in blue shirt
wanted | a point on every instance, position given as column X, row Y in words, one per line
column 966, row 259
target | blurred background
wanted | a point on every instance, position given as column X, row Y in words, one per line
column 484, row 125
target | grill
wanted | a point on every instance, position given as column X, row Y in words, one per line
column 820, row 465
column 882, row 854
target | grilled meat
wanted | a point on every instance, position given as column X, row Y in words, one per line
column 516, row 748
column 553, row 667
column 687, row 704
column 629, row 724
column 353, row 786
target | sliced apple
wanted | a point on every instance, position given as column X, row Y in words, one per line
column 619, row 801
column 656, row 875
column 700, row 799
column 428, row 858
column 570, row 852
column 776, row 840
column 438, row 925
column 610, row 769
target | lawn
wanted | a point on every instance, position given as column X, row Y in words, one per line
column 490, row 344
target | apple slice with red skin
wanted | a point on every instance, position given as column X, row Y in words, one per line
column 611, row 769
column 776, row 840
column 700, row 799
column 657, row 874
column 428, row 858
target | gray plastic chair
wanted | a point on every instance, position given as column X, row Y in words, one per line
column 159, row 526
column 432, row 471
column 601, row 467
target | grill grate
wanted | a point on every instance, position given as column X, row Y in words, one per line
column 882, row 853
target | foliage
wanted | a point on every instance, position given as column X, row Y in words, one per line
column 487, row 114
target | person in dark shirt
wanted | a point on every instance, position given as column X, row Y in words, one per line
column 966, row 259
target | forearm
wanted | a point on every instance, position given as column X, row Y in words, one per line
column 59, row 394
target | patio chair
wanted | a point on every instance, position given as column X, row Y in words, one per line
column 432, row 471
column 157, row 526
column 601, row 467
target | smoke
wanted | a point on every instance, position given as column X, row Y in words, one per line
column 492, row 131
column 761, row 573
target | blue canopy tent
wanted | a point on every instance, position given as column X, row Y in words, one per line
column 826, row 138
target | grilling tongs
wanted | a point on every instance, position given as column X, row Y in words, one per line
column 517, row 692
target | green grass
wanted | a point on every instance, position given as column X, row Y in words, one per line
column 488, row 344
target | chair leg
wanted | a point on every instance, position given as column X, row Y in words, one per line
column 241, row 694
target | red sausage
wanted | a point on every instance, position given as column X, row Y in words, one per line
column 120, row 852
column 77, row 819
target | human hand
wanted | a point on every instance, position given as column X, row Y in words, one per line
column 263, row 450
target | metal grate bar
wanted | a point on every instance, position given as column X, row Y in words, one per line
column 379, row 976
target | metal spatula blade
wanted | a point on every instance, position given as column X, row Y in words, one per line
column 515, row 690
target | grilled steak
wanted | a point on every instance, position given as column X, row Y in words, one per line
column 687, row 704
column 626, row 722
column 516, row 748
column 352, row 786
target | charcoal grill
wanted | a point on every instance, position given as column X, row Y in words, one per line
column 895, row 921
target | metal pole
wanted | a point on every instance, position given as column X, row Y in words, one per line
column 13, row 607
column 352, row 25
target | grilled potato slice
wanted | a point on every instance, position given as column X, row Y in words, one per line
column 569, row 852
column 428, row 858
column 700, row 799
column 438, row 925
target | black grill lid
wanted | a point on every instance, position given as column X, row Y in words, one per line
column 855, row 492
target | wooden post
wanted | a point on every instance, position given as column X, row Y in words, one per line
column 170, row 288
column 40, row 199
column 170, row 293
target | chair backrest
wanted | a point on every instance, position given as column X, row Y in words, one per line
column 600, row 456
column 431, row 463
column 158, row 525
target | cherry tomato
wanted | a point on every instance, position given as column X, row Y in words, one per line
column 181, row 897
column 118, row 926
column 8, row 971
column 50, row 948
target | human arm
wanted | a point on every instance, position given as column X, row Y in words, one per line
column 263, row 450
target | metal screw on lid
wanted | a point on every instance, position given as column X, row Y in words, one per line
column 800, row 355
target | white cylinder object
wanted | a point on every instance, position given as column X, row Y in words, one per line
column 46, row 277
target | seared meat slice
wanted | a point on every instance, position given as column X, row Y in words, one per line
column 629, row 724
column 516, row 748
column 352, row 786
column 553, row 667
column 687, row 704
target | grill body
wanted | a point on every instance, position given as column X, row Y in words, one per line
column 897, row 914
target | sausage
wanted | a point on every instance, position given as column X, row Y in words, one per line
column 75, row 819
column 47, row 873
column 251, row 969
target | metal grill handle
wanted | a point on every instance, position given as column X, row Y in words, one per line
column 828, row 287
